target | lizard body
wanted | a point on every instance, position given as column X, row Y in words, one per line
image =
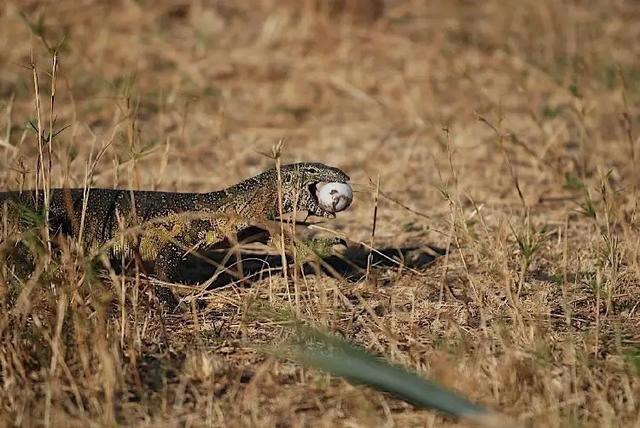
column 162, row 227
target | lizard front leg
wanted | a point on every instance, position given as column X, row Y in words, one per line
column 307, row 249
column 166, row 269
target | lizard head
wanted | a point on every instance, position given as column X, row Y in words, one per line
column 300, row 183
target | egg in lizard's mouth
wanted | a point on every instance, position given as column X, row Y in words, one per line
column 326, row 199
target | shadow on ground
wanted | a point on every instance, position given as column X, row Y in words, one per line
column 350, row 264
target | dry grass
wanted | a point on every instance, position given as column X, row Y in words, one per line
column 504, row 132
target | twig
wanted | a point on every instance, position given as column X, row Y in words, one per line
column 373, row 227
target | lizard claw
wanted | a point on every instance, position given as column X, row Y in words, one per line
column 338, row 241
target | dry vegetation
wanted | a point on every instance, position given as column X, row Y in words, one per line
column 503, row 132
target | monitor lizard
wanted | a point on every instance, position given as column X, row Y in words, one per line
column 163, row 227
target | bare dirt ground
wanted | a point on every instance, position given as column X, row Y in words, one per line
column 505, row 133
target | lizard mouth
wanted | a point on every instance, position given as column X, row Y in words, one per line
column 321, row 208
column 313, row 204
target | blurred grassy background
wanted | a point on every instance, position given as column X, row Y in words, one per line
column 504, row 131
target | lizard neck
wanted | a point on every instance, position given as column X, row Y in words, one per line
column 255, row 197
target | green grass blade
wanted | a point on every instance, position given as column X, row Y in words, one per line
column 340, row 358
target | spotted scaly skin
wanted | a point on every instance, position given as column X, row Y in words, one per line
column 162, row 227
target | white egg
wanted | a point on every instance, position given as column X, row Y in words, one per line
column 334, row 197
